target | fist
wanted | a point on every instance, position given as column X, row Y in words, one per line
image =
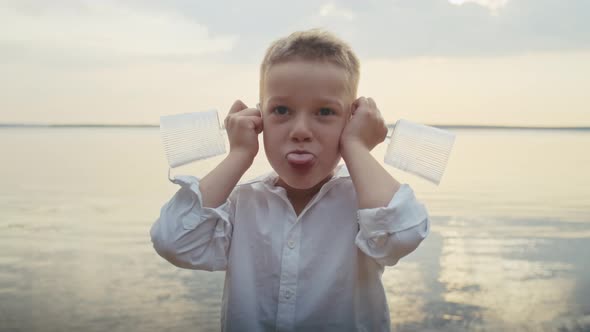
column 243, row 125
column 365, row 128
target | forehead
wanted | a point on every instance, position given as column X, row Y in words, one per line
column 306, row 79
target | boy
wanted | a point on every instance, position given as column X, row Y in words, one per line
column 303, row 248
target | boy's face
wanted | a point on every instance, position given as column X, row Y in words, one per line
column 305, row 106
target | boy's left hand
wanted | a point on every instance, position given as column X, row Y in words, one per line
column 365, row 128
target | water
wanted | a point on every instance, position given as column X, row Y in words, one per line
column 510, row 232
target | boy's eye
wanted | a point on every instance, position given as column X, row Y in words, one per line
column 281, row 110
column 325, row 111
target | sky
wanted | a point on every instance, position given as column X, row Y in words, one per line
column 471, row 62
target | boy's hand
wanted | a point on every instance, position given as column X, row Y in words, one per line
column 365, row 129
column 243, row 125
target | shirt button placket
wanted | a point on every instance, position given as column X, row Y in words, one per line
column 288, row 281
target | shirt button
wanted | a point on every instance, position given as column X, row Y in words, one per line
column 288, row 294
column 291, row 244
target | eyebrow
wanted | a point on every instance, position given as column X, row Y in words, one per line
column 328, row 101
column 276, row 99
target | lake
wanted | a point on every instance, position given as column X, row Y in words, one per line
column 508, row 248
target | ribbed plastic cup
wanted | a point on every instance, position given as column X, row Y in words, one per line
column 190, row 137
column 420, row 150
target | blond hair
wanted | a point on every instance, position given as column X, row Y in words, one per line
column 313, row 45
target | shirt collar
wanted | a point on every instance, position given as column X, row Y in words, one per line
column 270, row 178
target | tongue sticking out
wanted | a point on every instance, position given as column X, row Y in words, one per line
column 300, row 158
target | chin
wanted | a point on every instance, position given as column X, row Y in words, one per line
column 300, row 185
column 303, row 182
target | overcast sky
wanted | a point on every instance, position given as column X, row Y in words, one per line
column 518, row 62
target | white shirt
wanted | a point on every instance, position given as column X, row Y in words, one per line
column 319, row 271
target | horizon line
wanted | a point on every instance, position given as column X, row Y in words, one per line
column 389, row 125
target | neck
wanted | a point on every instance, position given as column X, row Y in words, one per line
column 299, row 198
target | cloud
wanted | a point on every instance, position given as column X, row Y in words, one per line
column 331, row 10
column 491, row 4
column 401, row 28
column 440, row 28
column 239, row 32
column 102, row 29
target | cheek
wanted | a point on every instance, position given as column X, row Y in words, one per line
column 271, row 141
column 274, row 131
column 333, row 133
column 266, row 139
column 330, row 140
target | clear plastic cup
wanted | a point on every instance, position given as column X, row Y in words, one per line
column 190, row 137
column 420, row 150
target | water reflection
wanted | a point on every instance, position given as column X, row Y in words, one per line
column 469, row 276
column 507, row 251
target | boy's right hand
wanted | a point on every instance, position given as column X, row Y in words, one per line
column 243, row 125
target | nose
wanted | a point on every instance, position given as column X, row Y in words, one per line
column 301, row 129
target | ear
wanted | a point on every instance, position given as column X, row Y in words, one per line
column 260, row 123
column 260, row 127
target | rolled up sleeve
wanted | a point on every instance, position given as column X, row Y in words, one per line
column 389, row 233
column 189, row 235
